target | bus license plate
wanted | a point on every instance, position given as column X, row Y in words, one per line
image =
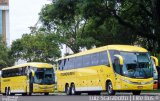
column 140, row 87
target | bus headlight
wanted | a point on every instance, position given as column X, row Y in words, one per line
column 137, row 83
column 55, row 87
column 125, row 80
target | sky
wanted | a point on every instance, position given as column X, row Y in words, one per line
column 23, row 14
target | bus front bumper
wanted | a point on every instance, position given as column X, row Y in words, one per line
column 43, row 88
column 137, row 85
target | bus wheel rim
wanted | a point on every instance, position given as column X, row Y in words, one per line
column 9, row 92
column 110, row 88
column 73, row 91
column 67, row 90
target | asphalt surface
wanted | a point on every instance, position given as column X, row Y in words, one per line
column 84, row 97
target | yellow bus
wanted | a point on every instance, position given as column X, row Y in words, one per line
column 109, row 68
column 0, row 81
column 28, row 78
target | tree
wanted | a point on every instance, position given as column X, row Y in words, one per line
column 5, row 58
column 140, row 18
column 36, row 47
column 64, row 20
column 105, row 22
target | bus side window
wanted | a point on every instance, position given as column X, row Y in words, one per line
column 71, row 63
column 115, row 61
column 24, row 71
column 94, row 59
column 116, row 65
column 65, row 64
column 20, row 71
column 4, row 73
column 78, row 62
column 103, row 58
column 60, row 64
column 17, row 72
column 112, row 53
column 86, row 60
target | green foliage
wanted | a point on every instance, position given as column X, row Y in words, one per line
column 126, row 21
column 63, row 19
column 87, row 23
column 36, row 47
column 5, row 58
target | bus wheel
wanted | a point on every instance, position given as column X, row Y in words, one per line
column 24, row 94
column 136, row 92
column 9, row 91
column 67, row 90
column 29, row 94
column 6, row 91
column 73, row 90
column 110, row 90
column 46, row 93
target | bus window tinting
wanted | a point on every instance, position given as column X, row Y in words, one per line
column 103, row 58
column 14, row 72
column 71, row 63
column 61, row 64
column 115, row 61
column 78, row 62
column 86, row 60
column 94, row 59
column 68, row 64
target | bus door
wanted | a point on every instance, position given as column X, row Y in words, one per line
column 30, row 81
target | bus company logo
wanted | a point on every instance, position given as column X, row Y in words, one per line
column 10, row 98
column 6, row 80
column 45, row 87
column 67, row 73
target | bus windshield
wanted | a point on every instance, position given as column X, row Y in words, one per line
column 137, row 65
column 44, row 76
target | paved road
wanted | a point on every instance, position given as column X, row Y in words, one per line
column 84, row 97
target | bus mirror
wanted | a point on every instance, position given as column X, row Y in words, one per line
column 155, row 60
column 33, row 73
column 120, row 59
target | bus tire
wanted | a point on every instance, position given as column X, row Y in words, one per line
column 9, row 91
column 109, row 88
column 46, row 93
column 24, row 94
column 137, row 92
column 6, row 91
column 29, row 94
column 67, row 90
column 73, row 90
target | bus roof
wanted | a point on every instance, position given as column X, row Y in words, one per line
column 128, row 48
column 33, row 64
